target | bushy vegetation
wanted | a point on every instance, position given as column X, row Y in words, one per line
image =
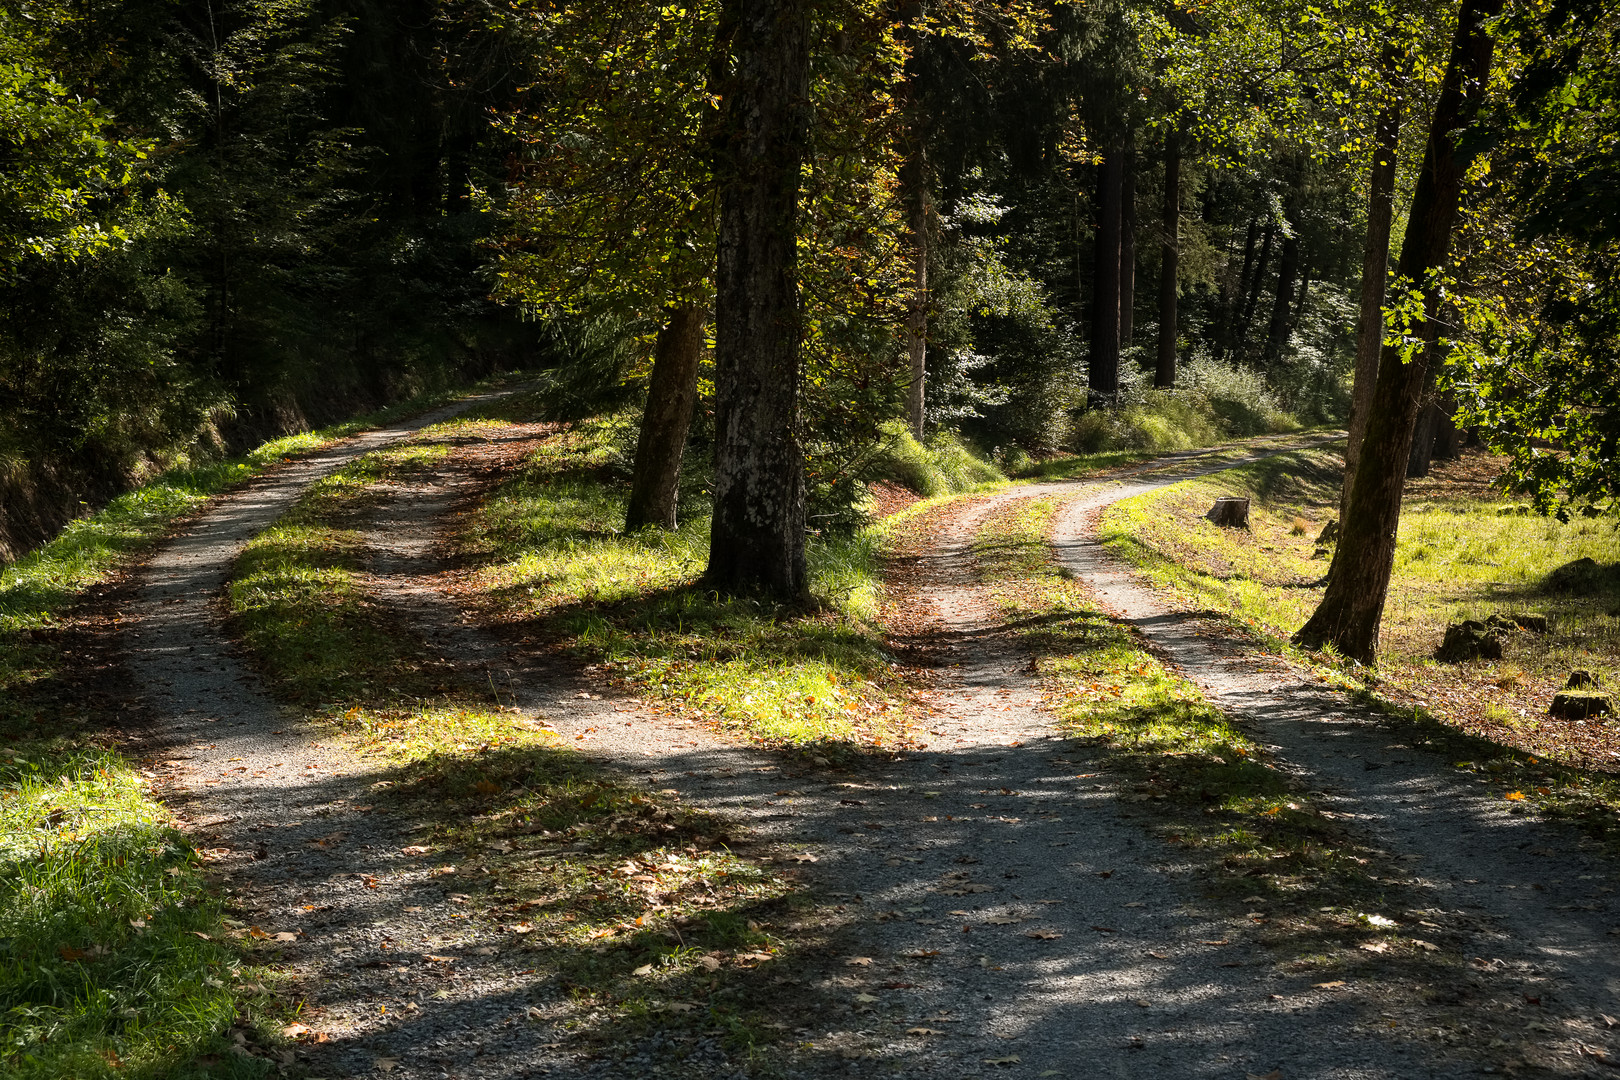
column 941, row 466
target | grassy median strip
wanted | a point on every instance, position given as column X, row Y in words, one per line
column 552, row 554
column 1320, row 893
column 1465, row 551
column 638, row 905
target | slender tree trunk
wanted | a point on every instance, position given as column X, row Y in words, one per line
column 1358, row 581
column 1374, row 269
column 656, row 479
column 757, row 537
column 1127, row 246
column 1233, row 293
column 1104, row 366
column 1282, row 301
column 1241, row 338
column 917, row 306
column 1164, row 372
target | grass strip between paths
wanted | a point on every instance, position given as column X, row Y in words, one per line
column 636, row 904
column 114, row 958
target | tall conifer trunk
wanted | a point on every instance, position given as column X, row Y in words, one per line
column 656, row 478
column 757, row 538
column 1374, row 269
column 1127, row 246
column 1104, row 364
column 1164, row 371
column 1358, row 581
column 914, row 177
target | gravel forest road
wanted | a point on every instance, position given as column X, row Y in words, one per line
column 1006, row 911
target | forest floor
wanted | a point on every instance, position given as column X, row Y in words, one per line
column 1078, row 827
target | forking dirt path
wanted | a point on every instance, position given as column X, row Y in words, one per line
column 1005, row 893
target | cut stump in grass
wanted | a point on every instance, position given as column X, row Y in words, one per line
column 1230, row 511
column 1584, row 680
column 1469, row 640
column 1579, row 705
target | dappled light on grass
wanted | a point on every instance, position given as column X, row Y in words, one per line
column 553, row 554
column 1216, row 788
column 108, row 960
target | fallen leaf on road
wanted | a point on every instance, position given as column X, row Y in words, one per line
column 1158, row 956
column 414, row 849
column 756, row 957
column 802, row 857
column 1013, row 1060
column 1002, row 920
column 485, row 951
column 1274, row 1074
column 439, row 959
column 922, row 954
column 1043, row 935
column 293, row 1031
column 859, row 961
column 1426, row 946
column 387, row 1064
column 1374, row 946
column 864, row 999
column 644, row 969
column 286, row 936
column 1334, row 985
column 371, row 882
column 710, row 963
column 923, row 1031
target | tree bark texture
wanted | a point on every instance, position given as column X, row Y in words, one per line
column 757, row 538
column 917, row 306
column 1127, row 246
column 1358, row 581
column 656, row 478
column 1374, row 270
column 1164, row 371
column 1104, row 363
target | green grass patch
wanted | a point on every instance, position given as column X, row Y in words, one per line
column 1210, row 787
column 112, row 959
column 940, row 466
column 639, row 907
column 553, row 553
column 1464, row 552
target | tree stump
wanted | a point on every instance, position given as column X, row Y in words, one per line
column 1469, row 640
column 1535, row 624
column 1579, row 705
column 1584, row 680
column 1230, row 511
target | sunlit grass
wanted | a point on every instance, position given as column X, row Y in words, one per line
column 625, row 897
column 1215, row 785
column 553, row 552
column 111, row 959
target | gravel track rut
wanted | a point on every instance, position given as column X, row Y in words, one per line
column 1010, row 905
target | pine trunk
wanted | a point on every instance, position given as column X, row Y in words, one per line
column 1104, row 363
column 656, row 479
column 1374, row 269
column 1240, row 337
column 1164, row 372
column 1127, row 247
column 1278, row 329
column 1358, row 581
column 917, row 308
column 757, row 538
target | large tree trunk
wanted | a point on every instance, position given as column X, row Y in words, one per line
column 1358, row 581
column 656, row 479
column 1374, row 269
column 1127, row 247
column 1104, row 365
column 917, row 308
column 1164, row 371
column 757, row 537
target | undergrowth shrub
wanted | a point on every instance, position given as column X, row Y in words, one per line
column 1212, row 401
column 941, row 466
